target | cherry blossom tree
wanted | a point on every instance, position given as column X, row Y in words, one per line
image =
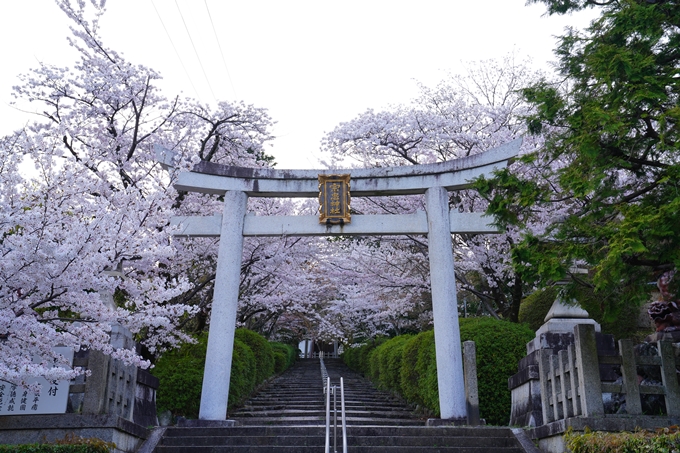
column 463, row 115
column 84, row 235
column 379, row 288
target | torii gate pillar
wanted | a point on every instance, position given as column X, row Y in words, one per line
column 216, row 377
column 444, row 306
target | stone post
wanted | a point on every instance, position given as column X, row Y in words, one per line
column 630, row 377
column 669, row 378
column 471, row 390
column 215, row 391
column 589, row 383
column 95, row 399
column 546, row 391
column 445, row 306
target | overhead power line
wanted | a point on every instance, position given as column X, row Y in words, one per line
column 196, row 51
column 220, row 46
column 175, row 48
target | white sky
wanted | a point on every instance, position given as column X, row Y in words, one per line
column 312, row 64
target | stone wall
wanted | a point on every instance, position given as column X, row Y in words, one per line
column 115, row 403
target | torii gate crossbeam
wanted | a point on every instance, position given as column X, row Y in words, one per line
column 236, row 184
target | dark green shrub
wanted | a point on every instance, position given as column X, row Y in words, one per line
column 279, row 362
column 181, row 372
column 243, row 373
column 535, row 306
column 389, row 358
column 426, row 367
column 619, row 320
column 415, row 354
column 69, row 444
column 407, row 364
column 500, row 345
column 371, row 364
column 660, row 441
column 364, row 359
column 289, row 352
column 264, row 354
column 356, row 356
column 352, row 356
column 49, row 448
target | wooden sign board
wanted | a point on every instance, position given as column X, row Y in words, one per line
column 334, row 199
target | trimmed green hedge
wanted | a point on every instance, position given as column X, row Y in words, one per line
column 500, row 346
column 181, row 371
column 69, row 444
column 264, row 354
column 663, row 440
column 49, row 448
column 285, row 356
column 419, row 371
column 407, row 364
column 389, row 357
column 535, row 306
column 243, row 378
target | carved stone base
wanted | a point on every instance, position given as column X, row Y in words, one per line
column 674, row 336
column 184, row 423
column 449, row 422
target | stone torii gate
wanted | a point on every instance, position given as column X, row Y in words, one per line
column 236, row 184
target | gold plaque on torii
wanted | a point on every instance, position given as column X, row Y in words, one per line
column 334, row 199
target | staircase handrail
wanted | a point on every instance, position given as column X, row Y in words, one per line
column 328, row 390
column 344, row 418
column 324, row 373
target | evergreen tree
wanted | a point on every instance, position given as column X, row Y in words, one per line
column 611, row 129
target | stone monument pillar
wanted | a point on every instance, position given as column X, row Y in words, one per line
column 558, row 330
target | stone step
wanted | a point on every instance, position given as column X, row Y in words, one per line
column 278, row 405
column 281, row 405
column 368, row 439
column 361, row 413
column 319, row 439
column 320, row 419
column 289, row 401
column 299, row 397
column 318, row 448
column 281, row 413
column 451, row 431
column 241, row 431
column 375, row 417
column 289, row 416
column 349, row 393
column 439, row 441
column 198, row 441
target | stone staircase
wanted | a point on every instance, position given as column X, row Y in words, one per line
column 364, row 405
column 296, row 398
column 289, row 416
